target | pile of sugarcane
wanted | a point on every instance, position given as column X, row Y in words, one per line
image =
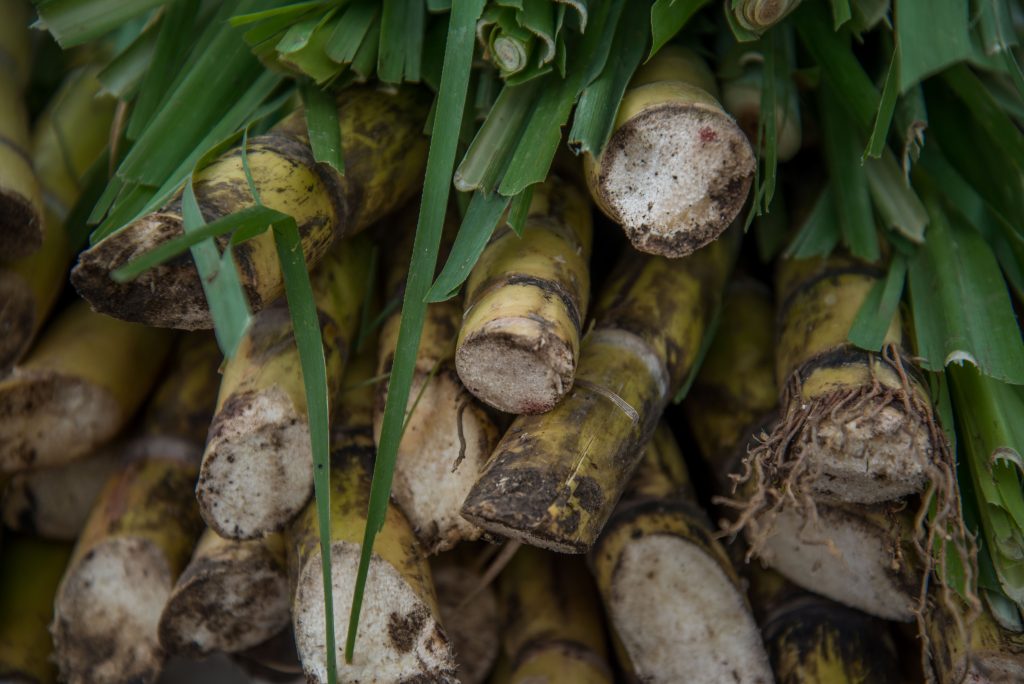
column 735, row 393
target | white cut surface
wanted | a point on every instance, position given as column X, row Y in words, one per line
column 677, row 173
column 681, row 619
column 257, row 472
column 503, row 365
column 399, row 637
column 107, row 610
column 869, row 458
column 48, row 419
column 861, row 576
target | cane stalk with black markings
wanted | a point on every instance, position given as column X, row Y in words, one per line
column 989, row 653
column 139, row 535
column 852, row 553
column 68, row 138
column 658, row 541
column 83, row 381
column 552, row 628
column 526, row 300
column 384, row 156
column 400, row 634
column 554, row 478
column 257, row 470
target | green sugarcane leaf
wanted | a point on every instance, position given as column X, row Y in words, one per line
column 538, row 17
column 987, row 113
column 668, row 17
column 876, row 313
column 299, row 33
column 894, row 198
column 868, row 13
column 451, row 101
column 931, row 36
column 322, row 125
column 365, row 62
column 351, row 29
column 74, row 22
column 172, row 45
column 123, row 74
column 482, row 217
column 518, row 210
column 401, row 41
column 290, row 12
column 841, row 70
column 772, row 230
column 961, row 307
column 911, row 121
column 229, row 307
column 308, row 339
column 840, row 13
column 594, row 119
column 849, row 183
column 886, row 108
column 819, row 234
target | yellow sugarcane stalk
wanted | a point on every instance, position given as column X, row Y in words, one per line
column 82, row 382
column 469, row 614
column 554, row 479
column 257, row 471
column 852, row 553
column 139, row 535
column 552, row 629
column 54, row 503
column 526, row 300
column 657, row 541
column 233, row 595
column 677, row 168
column 812, row 639
column 21, row 206
column 384, row 151
column 69, row 136
column 30, row 570
column 988, row 653
column 448, row 436
column 400, row 635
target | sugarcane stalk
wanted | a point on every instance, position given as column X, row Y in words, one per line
column 257, row 470
column 82, row 382
column 69, row 136
column 233, row 595
column 677, row 168
column 54, row 503
column 139, row 535
column 447, row 436
column 554, row 478
column 741, row 97
column 526, row 300
column 469, row 614
column 30, row 570
column 657, row 541
column 552, row 628
column 757, row 16
column 400, row 634
column 852, row 553
column 987, row 653
column 21, row 205
column 384, row 154
column 812, row 639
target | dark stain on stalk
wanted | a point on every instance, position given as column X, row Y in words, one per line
column 404, row 630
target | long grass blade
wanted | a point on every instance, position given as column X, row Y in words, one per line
column 440, row 165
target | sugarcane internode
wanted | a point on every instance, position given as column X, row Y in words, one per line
column 554, row 478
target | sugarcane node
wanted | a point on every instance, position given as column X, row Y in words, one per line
column 646, row 178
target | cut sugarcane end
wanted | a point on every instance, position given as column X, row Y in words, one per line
column 675, row 176
column 257, row 473
column 399, row 637
column 107, row 610
column 17, row 320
